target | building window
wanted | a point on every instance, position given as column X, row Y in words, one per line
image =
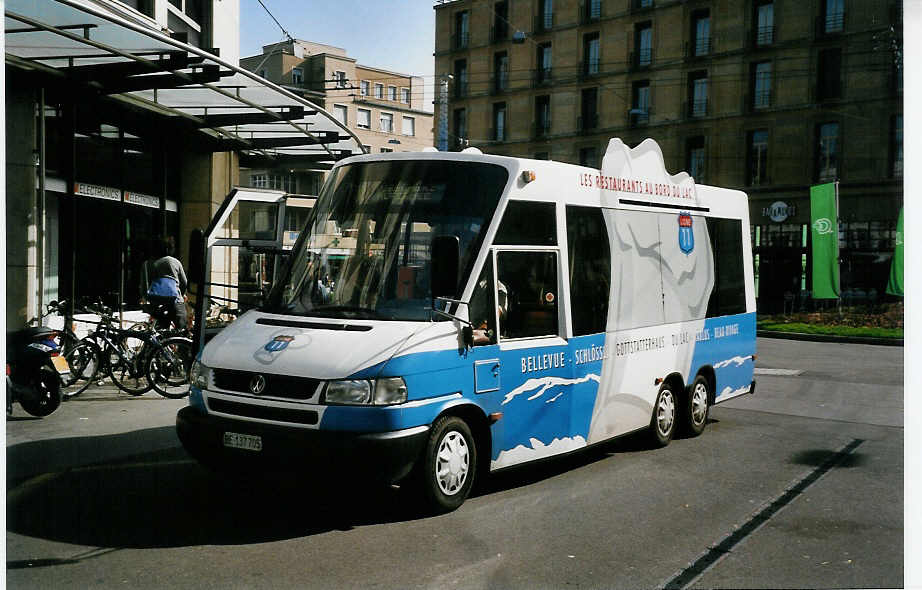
column 757, row 157
column 643, row 44
column 499, row 121
column 542, row 115
column 297, row 76
column 500, row 21
column 340, row 78
column 761, row 85
column 392, row 93
column 896, row 146
column 829, row 85
column 462, row 30
column 695, row 157
column 642, row 3
column 405, row 95
column 833, row 16
column 698, row 94
column 459, row 124
column 701, row 33
column 386, row 150
column 363, row 87
column 460, row 78
column 545, row 15
column 379, row 91
column 387, row 122
column 409, row 126
column 827, row 156
column 765, row 24
column 340, row 113
column 363, row 118
column 589, row 156
column 259, row 181
column 640, row 102
column 500, row 72
column 592, row 11
column 543, row 63
column 590, row 54
column 589, row 109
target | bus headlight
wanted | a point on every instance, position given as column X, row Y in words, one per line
column 198, row 375
column 353, row 392
column 389, row 391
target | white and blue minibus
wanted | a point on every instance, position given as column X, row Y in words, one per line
column 446, row 315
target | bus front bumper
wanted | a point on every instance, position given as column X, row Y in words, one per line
column 387, row 456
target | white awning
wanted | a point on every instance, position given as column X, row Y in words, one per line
column 228, row 108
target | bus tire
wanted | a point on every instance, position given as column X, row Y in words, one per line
column 446, row 471
column 697, row 407
column 662, row 424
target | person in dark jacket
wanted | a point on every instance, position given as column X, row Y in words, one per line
column 168, row 287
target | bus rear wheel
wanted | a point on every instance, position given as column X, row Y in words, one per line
column 446, row 471
column 697, row 406
column 662, row 424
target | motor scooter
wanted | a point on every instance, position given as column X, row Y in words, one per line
column 35, row 370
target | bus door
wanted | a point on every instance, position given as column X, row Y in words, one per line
column 238, row 256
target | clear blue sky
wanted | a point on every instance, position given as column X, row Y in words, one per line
column 396, row 35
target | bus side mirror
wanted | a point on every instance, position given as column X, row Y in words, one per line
column 446, row 260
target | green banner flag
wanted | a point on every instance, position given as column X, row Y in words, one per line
column 895, row 285
column 825, row 235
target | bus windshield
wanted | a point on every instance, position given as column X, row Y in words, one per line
column 366, row 254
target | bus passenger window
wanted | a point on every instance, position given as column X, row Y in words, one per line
column 527, row 223
column 590, row 269
column 529, row 280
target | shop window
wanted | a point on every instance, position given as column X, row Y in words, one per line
column 729, row 294
column 528, row 283
column 590, row 269
column 527, row 223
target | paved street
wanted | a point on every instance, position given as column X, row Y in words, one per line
column 800, row 485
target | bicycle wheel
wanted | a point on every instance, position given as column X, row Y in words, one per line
column 127, row 365
column 84, row 360
column 168, row 367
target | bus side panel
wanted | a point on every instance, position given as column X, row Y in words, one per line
column 728, row 344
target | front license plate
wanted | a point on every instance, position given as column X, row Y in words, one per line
column 243, row 441
column 60, row 364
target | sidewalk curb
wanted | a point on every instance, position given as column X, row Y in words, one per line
column 830, row 338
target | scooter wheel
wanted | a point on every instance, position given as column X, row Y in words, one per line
column 46, row 393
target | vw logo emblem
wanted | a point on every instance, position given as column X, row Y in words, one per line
column 257, row 384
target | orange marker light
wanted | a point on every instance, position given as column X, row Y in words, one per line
column 528, row 176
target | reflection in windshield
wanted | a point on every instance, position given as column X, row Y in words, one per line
column 367, row 251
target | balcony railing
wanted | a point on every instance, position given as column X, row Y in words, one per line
column 541, row 129
column 542, row 76
column 499, row 83
column 589, row 68
column 637, row 117
column 642, row 58
column 695, row 109
column 588, row 122
column 460, row 88
column 590, row 12
column 830, row 24
column 460, row 41
column 699, row 48
column 499, row 33
column 544, row 22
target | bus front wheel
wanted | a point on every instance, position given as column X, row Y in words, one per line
column 662, row 424
column 446, row 472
